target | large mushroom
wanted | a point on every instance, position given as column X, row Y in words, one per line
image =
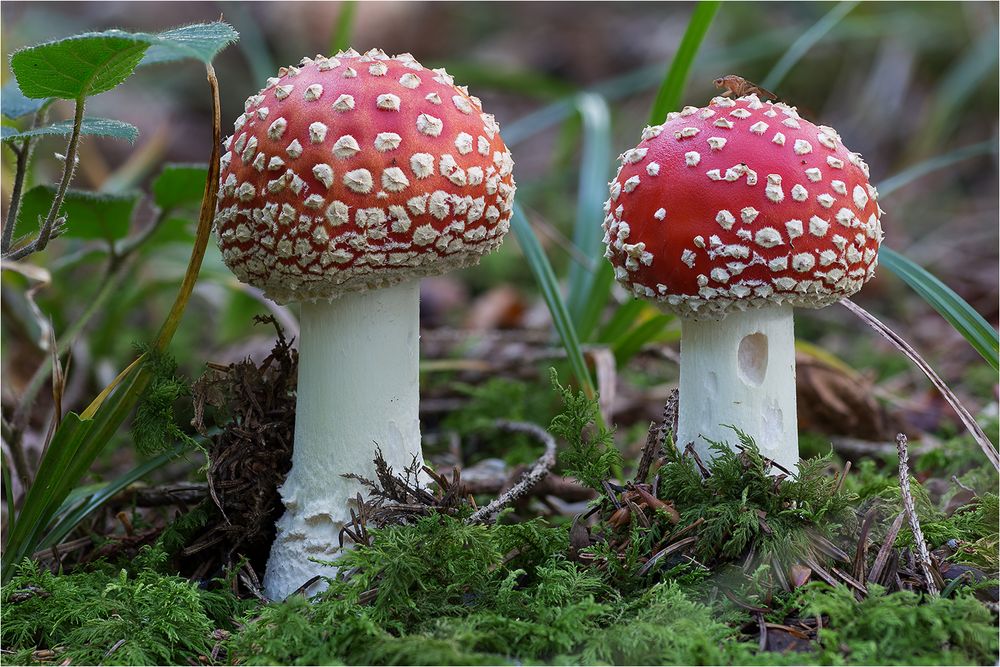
column 729, row 216
column 347, row 180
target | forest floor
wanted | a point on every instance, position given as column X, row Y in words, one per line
column 651, row 558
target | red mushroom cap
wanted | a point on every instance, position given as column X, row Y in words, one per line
column 360, row 171
column 741, row 204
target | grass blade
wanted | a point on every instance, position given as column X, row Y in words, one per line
column 625, row 347
column 597, row 298
column 622, row 320
column 806, row 41
column 345, row 26
column 963, row 317
column 912, row 173
column 96, row 498
column 591, row 194
column 946, row 392
column 549, row 286
column 669, row 96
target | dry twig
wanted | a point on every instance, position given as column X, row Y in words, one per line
column 537, row 472
column 923, row 555
column 967, row 420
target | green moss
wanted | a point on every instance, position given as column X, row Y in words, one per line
column 742, row 504
column 900, row 628
column 590, row 454
column 96, row 618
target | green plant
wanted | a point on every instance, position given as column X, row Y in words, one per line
column 76, row 68
column 109, row 617
column 900, row 627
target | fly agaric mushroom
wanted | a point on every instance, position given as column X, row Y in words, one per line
column 729, row 216
column 347, row 180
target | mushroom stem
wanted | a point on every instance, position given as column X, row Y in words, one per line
column 740, row 371
column 358, row 388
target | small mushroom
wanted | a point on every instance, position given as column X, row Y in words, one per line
column 347, row 180
column 729, row 216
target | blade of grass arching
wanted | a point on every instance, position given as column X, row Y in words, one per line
column 628, row 345
column 592, row 191
column 668, row 98
column 912, row 173
column 963, row 317
column 756, row 46
column 967, row 419
column 549, row 286
column 806, row 41
column 8, row 486
column 97, row 497
column 341, row 39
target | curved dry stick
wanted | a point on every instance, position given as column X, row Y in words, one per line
column 914, row 356
column 537, row 473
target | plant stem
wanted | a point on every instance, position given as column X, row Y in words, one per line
column 740, row 372
column 358, row 389
column 15, row 197
column 206, row 216
column 23, row 158
column 69, row 168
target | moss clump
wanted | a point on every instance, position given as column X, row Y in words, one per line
column 108, row 617
column 742, row 504
column 900, row 628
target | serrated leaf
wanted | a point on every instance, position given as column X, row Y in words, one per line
column 201, row 41
column 92, row 63
column 78, row 66
column 180, row 185
column 13, row 103
column 102, row 127
column 89, row 215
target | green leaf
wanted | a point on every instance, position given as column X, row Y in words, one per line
column 591, row 194
column 669, row 96
column 201, row 41
column 103, row 127
column 549, row 286
column 13, row 103
column 627, row 346
column 963, row 317
column 622, row 320
column 89, row 215
column 78, row 66
column 180, row 185
column 92, row 63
